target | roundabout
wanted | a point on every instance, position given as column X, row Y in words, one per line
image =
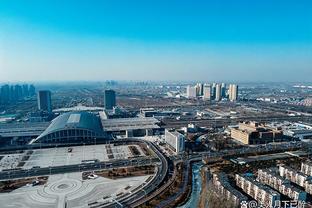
column 64, row 186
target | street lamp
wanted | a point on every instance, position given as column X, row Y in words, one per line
column 83, row 156
column 118, row 203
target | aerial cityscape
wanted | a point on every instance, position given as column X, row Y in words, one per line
column 156, row 104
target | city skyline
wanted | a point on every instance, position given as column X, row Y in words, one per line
column 234, row 42
column 179, row 103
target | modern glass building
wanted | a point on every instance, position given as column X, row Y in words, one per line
column 72, row 127
column 109, row 99
column 44, row 101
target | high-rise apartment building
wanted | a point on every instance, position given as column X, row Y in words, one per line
column 32, row 90
column 18, row 92
column 25, row 90
column 13, row 93
column 218, row 92
column 5, row 94
column 207, row 92
column 213, row 91
column 191, row 92
column 223, row 90
column 233, row 92
column 199, row 89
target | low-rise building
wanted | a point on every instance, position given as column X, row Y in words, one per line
column 159, row 114
column 301, row 131
column 306, row 168
column 296, row 177
column 271, row 178
column 255, row 133
column 131, row 127
column 261, row 193
column 223, row 187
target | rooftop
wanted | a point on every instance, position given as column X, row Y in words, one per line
column 260, row 185
column 285, row 182
column 119, row 124
column 23, row 129
column 74, row 120
column 225, row 183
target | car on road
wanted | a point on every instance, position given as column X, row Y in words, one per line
column 35, row 183
column 92, row 176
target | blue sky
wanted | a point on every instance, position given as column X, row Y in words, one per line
column 226, row 40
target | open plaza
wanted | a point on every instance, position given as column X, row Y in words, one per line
column 60, row 156
column 71, row 190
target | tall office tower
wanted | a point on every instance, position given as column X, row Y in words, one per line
column 109, row 99
column 32, row 90
column 233, row 92
column 44, row 100
column 5, row 94
column 223, row 90
column 218, row 92
column 191, row 91
column 207, row 92
column 25, row 90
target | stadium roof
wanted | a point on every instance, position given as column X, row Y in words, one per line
column 74, row 120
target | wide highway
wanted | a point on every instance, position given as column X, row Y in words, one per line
column 23, row 173
column 143, row 195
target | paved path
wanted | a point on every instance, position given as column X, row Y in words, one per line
column 68, row 190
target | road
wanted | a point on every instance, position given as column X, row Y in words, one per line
column 139, row 197
column 182, row 190
column 225, row 153
column 143, row 195
column 22, row 173
column 155, row 186
column 212, row 122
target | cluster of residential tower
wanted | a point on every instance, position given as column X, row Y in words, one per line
column 216, row 91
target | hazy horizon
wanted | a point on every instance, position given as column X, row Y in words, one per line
column 244, row 41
